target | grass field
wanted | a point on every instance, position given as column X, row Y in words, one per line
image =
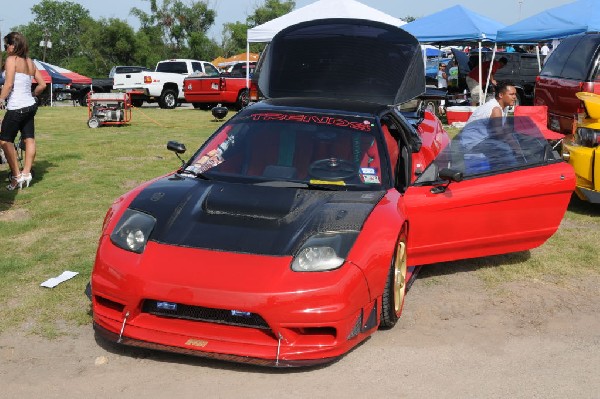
column 54, row 225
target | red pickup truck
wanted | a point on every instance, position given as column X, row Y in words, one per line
column 228, row 89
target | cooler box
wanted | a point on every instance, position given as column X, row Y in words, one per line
column 458, row 113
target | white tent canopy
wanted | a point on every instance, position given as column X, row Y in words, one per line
column 321, row 9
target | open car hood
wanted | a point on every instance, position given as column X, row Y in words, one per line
column 343, row 58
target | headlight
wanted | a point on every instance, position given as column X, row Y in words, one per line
column 133, row 230
column 587, row 137
column 321, row 252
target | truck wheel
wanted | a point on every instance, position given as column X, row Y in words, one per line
column 197, row 105
column 168, row 99
column 137, row 102
column 243, row 99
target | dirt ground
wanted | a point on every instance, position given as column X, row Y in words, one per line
column 456, row 339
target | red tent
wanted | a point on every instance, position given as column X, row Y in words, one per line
column 57, row 75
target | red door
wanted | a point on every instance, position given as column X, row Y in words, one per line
column 488, row 215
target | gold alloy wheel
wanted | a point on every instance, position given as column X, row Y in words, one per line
column 399, row 276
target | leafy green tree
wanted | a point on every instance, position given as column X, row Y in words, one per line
column 235, row 34
column 105, row 43
column 270, row 10
column 234, row 38
column 182, row 27
column 62, row 24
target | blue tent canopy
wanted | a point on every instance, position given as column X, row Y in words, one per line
column 555, row 23
column 453, row 25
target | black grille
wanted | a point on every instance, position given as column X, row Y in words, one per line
column 221, row 316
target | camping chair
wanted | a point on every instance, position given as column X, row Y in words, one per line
column 539, row 115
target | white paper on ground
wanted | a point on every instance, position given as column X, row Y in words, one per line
column 54, row 281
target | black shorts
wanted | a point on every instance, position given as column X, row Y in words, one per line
column 16, row 120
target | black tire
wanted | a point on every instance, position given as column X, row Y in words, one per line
column 197, row 105
column 243, row 99
column 137, row 102
column 168, row 99
column 392, row 300
column 93, row 123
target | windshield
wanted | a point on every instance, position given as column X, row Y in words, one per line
column 337, row 152
column 491, row 146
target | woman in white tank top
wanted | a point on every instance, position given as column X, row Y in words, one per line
column 21, row 105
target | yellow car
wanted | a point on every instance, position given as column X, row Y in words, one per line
column 583, row 150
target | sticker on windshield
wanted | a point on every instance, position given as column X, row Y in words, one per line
column 206, row 162
column 335, row 183
column 368, row 171
column 369, row 176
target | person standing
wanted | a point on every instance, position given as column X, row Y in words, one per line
column 21, row 105
column 442, row 76
column 473, row 77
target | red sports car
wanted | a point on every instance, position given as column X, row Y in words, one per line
column 290, row 236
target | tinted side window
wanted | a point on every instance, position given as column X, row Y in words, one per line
column 197, row 67
column 558, row 58
column 210, row 70
column 582, row 59
column 530, row 66
column 172, row 67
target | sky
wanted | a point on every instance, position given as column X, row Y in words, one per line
column 504, row 11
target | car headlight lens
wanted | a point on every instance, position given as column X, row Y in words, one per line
column 587, row 137
column 322, row 252
column 133, row 230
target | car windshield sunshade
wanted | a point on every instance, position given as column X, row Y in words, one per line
column 343, row 58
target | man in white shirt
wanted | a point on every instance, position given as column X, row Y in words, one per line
column 485, row 131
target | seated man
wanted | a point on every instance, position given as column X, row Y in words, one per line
column 486, row 131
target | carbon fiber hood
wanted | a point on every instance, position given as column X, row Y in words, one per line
column 248, row 218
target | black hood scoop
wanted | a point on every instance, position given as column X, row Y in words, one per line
column 247, row 201
column 248, row 218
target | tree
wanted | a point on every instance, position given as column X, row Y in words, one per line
column 182, row 27
column 105, row 43
column 235, row 34
column 60, row 22
column 234, row 38
column 270, row 10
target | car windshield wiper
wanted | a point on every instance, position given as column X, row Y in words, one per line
column 195, row 174
column 296, row 184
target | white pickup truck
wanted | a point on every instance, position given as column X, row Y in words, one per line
column 164, row 84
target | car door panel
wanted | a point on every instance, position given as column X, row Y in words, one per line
column 488, row 215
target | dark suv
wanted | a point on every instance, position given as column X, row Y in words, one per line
column 522, row 70
column 572, row 67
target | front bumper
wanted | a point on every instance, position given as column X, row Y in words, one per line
column 307, row 318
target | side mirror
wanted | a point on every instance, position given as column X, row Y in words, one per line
column 449, row 175
column 176, row 147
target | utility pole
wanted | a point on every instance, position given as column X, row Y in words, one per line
column 46, row 44
column 520, row 7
